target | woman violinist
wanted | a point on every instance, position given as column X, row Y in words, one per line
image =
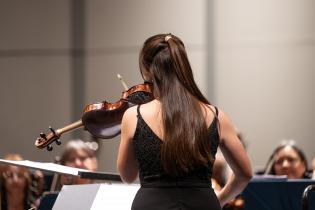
column 171, row 141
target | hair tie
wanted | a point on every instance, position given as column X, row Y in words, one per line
column 167, row 37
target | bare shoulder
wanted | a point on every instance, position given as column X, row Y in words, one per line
column 217, row 111
column 223, row 118
column 130, row 113
column 129, row 121
column 212, row 108
column 226, row 126
column 148, row 109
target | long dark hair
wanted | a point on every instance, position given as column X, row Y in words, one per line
column 164, row 62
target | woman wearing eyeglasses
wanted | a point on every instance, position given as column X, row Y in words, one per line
column 288, row 159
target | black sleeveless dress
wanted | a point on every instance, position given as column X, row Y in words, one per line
column 159, row 191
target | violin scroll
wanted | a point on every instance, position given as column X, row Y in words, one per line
column 46, row 140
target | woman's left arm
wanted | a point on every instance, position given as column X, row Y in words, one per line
column 127, row 164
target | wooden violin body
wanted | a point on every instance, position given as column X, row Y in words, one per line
column 101, row 119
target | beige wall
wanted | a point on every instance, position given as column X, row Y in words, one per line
column 35, row 87
column 264, row 71
column 259, row 68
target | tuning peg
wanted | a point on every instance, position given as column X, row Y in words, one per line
column 49, row 148
column 42, row 135
column 52, row 130
column 58, row 142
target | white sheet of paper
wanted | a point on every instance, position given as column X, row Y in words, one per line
column 44, row 166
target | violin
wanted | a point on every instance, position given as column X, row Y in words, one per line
column 102, row 119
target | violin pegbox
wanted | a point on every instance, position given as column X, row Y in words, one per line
column 46, row 140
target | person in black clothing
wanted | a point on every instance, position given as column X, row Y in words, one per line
column 171, row 141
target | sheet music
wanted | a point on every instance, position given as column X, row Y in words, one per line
column 45, row 166
column 269, row 177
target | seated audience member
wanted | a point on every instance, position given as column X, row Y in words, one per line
column 19, row 188
column 77, row 154
column 288, row 159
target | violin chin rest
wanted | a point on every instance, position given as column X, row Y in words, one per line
column 104, row 132
column 104, row 124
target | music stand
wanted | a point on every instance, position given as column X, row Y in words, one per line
column 50, row 198
column 274, row 193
